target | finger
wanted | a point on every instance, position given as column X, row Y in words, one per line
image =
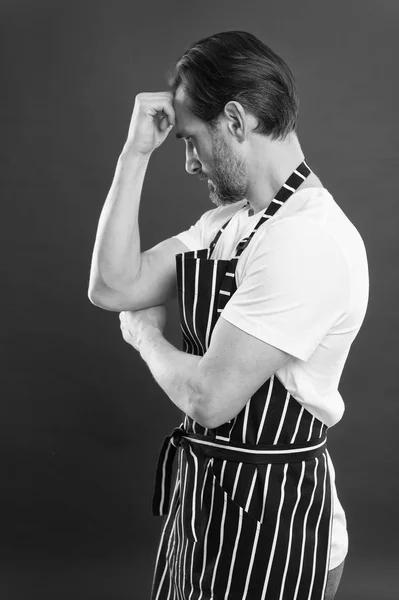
column 168, row 110
column 164, row 124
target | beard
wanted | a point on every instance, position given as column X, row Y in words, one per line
column 229, row 175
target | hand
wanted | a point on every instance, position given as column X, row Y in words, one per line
column 152, row 119
column 135, row 322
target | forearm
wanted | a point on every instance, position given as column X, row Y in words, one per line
column 116, row 255
column 176, row 372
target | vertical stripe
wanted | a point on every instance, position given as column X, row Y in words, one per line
column 183, row 584
column 171, row 555
column 206, row 539
column 179, row 540
column 251, row 489
column 236, row 480
column 317, row 530
column 170, row 589
column 232, row 427
column 331, row 519
column 169, row 552
column 282, row 418
column 191, row 572
column 193, row 545
column 183, row 503
column 197, row 339
column 210, row 461
column 161, row 544
column 251, row 562
column 311, row 429
column 194, row 495
column 183, row 305
column 215, row 568
column 304, row 530
column 276, row 531
column 245, row 421
column 210, row 311
column 297, row 426
column 233, row 558
column 222, row 472
column 298, row 497
column 265, row 490
column 262, row 422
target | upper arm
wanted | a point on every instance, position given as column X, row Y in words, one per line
column 157, row 281
column 155, row 284
column 234, row 367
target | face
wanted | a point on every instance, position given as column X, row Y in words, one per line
column 228, row 178
column 210, row 157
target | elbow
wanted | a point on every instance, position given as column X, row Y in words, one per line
column 98, row 301
column 206, row 419
column 104, row 298
column 203, row 411
column 208, row 408
column 196, row 401
column 202, row 417
column 213, row 410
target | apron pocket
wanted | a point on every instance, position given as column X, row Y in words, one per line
column 241, row 488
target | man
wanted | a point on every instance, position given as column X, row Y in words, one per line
column 254, row 511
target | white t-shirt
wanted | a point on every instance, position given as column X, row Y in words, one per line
column 302, row 286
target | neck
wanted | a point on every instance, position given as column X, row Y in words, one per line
column 272, row 162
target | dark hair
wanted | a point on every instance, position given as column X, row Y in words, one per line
column 235, row 65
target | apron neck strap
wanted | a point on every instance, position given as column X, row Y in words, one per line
column 293, row 182
column 290, row 186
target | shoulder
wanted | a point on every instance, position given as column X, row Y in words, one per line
column 221, row 214
column 293, row 247
column 212, row 220
column 296, row 231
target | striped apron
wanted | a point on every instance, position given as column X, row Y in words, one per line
column 250, row 514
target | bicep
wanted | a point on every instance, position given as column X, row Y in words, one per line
column 155, row 284
column 157, row 281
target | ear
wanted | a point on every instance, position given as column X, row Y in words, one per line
column 237, row 122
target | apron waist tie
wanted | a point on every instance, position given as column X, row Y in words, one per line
column 225, row 450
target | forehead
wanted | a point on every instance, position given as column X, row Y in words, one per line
column 186, row 121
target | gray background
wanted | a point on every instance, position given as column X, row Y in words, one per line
column 81, row 418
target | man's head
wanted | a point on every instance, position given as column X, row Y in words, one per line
column 231, row 91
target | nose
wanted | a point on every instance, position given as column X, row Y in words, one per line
column 193, row 164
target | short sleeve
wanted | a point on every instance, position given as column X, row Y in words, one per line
column 193, row 237
column 294, row 288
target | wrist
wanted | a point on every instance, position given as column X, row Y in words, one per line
column 130, row 153
column 149, row 339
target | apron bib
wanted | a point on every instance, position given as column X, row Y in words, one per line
column 251, row 510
